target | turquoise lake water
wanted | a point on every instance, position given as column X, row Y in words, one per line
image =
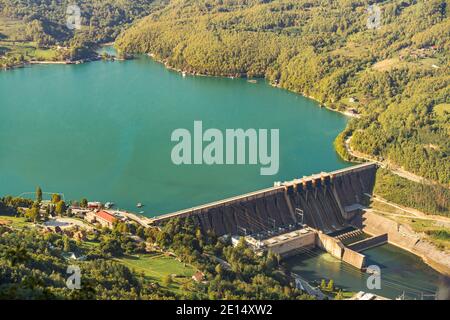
column 401, row 272
column 102, row 131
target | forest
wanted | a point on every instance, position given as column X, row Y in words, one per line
column 33, row 262
column 394, row 77
column 27, row 26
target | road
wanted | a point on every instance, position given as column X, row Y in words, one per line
column 410, row 213
column 394, row 169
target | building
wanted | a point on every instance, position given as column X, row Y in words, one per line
column 367, row 296
column 94, row 205
column 103, row 217
column 79, row 235
column 198, row 276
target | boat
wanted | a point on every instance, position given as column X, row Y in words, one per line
column 139, row 205
column 109, row 205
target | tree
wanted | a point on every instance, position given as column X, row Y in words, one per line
column 32, row 213
column 167, row 280
column 56, row 198
column 16, row 255
column 140, row 232
column 111, row 246
column 60, row 207
column 330, row 286
column 67, row 245
column 339, row 295
column 83, row 203
column 38, row 194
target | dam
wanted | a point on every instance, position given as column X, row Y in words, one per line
column 291, row 216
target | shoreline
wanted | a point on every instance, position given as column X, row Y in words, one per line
column 50, row 62
column 244, row 76
column 442, row 269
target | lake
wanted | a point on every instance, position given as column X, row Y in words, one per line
column 102, row 130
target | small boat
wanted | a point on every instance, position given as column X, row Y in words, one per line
column 141, row 212
column 183, row 74
column 139, row 205
column 109, row 205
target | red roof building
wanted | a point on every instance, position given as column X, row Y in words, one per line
column 105, row 218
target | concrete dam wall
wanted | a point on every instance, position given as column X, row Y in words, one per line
column 327, row 202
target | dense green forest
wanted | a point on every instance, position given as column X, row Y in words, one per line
column 430, row 199
column 395, row 76
column 41, row 24
column 101, row 20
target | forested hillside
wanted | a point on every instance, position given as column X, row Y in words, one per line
column 37, row 30
column 395, row 76
column 34, row 260
column 101, row 20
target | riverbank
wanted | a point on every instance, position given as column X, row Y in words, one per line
column 404, row 237
column 384, row 164
column 50, row 62
column 243, row 75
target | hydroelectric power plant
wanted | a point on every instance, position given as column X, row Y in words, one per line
column 322, row 210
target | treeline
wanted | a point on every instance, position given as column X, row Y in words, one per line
column 101, row 20
column 324, row 49
column 230, row 272
column 32, row 266
column 43, row 24
column 430, row 199
column 33, row 263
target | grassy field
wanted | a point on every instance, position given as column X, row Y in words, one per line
column 156, row 266
column 441, row 109
column 389, row 64
column 436, row 234
column 16, row 222
column 433, row 231
column 13, row 45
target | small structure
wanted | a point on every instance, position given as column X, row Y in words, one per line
column 367, row 296
column 94, row 205
column 79, row 235
column 353, row 111
column 198, row 276
column 103, row 217
column 235, row 240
